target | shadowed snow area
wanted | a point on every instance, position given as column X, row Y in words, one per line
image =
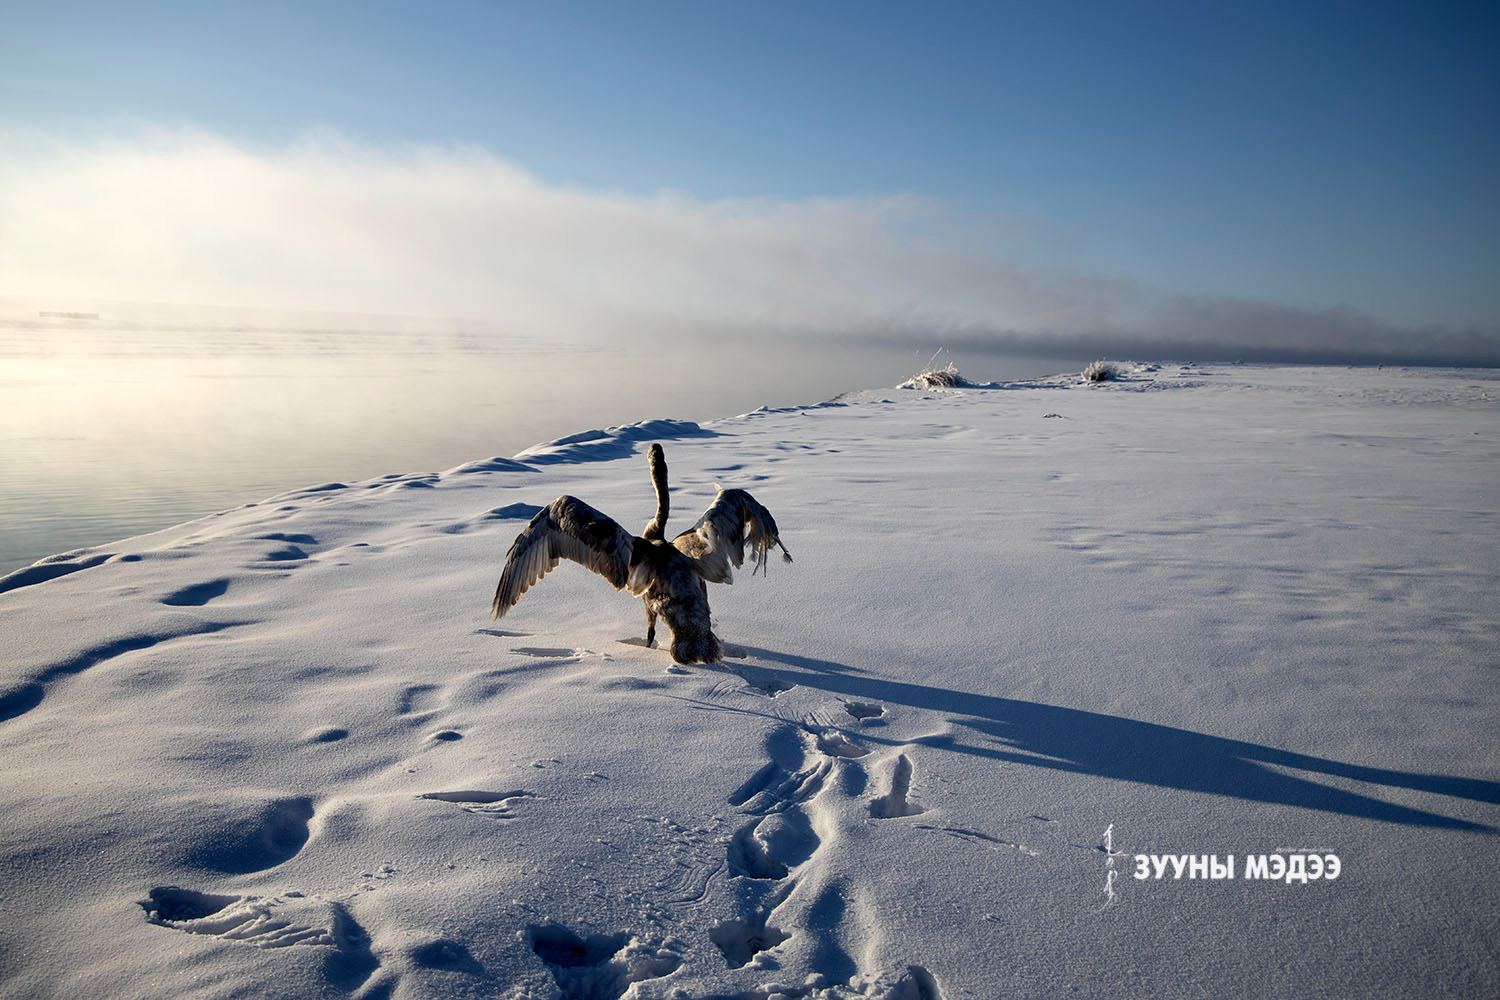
column 1033, row 631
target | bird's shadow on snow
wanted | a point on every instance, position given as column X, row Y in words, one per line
column 1068, row 739
column 800, row 662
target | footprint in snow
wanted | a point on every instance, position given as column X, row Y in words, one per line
column 290, row 920
column 897, row 802
column 196, row 595
column 498, row 805
column 419, row 699
column 769, row 847
column 740, row 940
column 255, row 834
column 600, row 966
column 285, row 921
column 549, row 652
column 446, row 956
column 836, row 744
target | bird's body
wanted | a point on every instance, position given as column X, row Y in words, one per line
column 670, row 577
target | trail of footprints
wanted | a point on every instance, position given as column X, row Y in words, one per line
column 766, row 857
column 769, row 850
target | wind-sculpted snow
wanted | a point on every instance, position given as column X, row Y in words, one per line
column 607, row 445
column 1033, row 630
column 50, row 569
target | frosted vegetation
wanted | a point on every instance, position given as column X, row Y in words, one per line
column 1101, row 371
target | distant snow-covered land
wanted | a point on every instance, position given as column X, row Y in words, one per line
column 1032, row 631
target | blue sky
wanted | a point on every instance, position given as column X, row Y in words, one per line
column 1314, row 155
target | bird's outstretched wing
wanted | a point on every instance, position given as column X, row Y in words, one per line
column 719, row 537
column 567, row 528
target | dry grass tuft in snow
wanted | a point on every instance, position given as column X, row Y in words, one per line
column 1102, row 371
column 933, row 377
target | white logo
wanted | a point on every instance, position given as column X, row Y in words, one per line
column 1109, row 867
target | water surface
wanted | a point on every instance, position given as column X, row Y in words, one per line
column 115, row 426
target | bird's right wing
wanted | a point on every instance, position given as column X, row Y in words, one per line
column 567, row 528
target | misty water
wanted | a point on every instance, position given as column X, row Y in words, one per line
column 112, row 427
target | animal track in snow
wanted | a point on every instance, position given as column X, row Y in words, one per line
column 756, row 783
column 555, row 656
column 547, row 652
column 778, row 840
column 196, row 595
column 768, row 848
column 897, row 802
column 863, row 710
column 749, row 857
column 446, row 956
column 836, row 744
column 27, row 693
column 499, row 805
column 255, row 836
column 481, row 685
column 601, row 966
column 419, row 699
column 740, row 941
column 792, row 777
column 289, row 920
column 978, row 835
column 769, row 855
column 281, row 536
column 772, row 788
column 916, row 984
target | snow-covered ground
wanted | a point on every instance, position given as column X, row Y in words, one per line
column 282, row 752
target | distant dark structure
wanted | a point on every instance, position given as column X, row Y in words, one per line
column 670, row 578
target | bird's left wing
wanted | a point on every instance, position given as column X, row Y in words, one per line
column 720, row 536
column 570, row 529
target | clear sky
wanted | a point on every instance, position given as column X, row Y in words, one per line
column 1060, row 168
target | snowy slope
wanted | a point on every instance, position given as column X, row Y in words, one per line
column 282, row 751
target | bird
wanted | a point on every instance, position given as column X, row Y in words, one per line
column 671, row 578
